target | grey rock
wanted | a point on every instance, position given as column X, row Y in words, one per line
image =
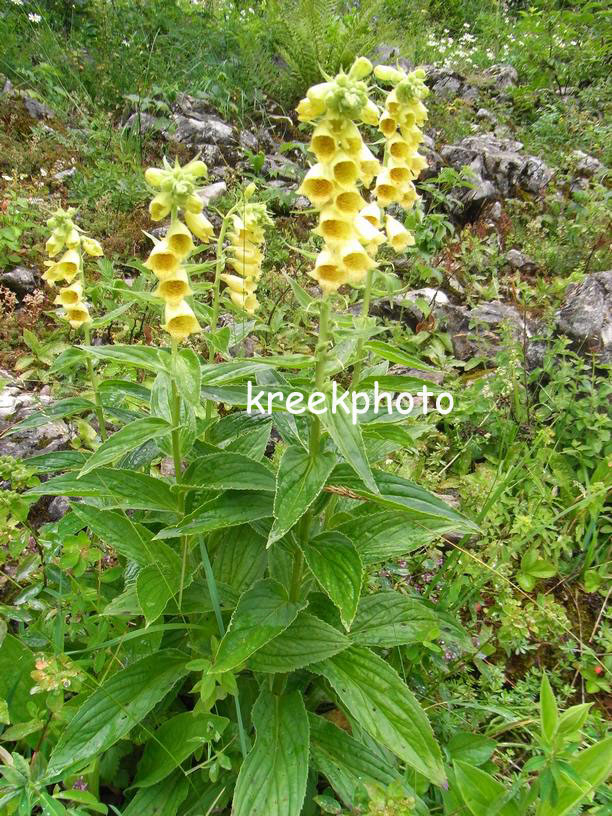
column 448, row 84
column 142, row 122
column 503, row 76
column 486, row 115
column 586, row 166
column 37, row 110
column 21, row 280
column 248, row 140
column 58, row 507
column 479, row 332
column 519, row 261
column 586, row 315
column 65, row 174
column 205, row 130
column 32, row 441
column 7, row 86
column 212, row 192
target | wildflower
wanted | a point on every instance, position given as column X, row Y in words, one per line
column 70, row 295
column 92, row 247
column 245, row 255
column 78, row 315
column 199, row 225
column 162, row 261
column 180, row 321
column 34, row 18
column 175, row 287
column 179, row 239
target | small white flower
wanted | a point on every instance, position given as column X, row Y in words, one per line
column 17, row 2
column 43, row 172
column 34, row 18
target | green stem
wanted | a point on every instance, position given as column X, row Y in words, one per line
column 175, row 411
column 94, row 384
column 321, row 360
column 365, row 309
column 214, row 597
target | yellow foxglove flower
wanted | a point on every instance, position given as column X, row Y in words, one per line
column 386, row 190
column 328, row 271
column 77, row 315
column 180, row 321
column 155, row 176
column 345, row 169
column 370, row 166
column 348, row 202
column 160, row 206
column 399, row 148
column 247, row 253
column 371, row 212
column 399, row 174
column 179, row 239
column 388, row 74
column 70, row 295
column 361, row 68
column 367, row 232
column 387, row 124
column 244, row 286
column 162, row 261
column 334, row 227
column 349, row 138
column 323, row 142
column 249, row 303
column 73, row 239
column 200, row 226
column 355, row 259
column 54, row 244
column 418, row 163
column 409, row 196
column 318, row 185
column 69, row 264
column 308, row 110
column 370, row 114
column 398, row 235
column 247, row 270
column 319, row 93
column 196, row 168
column 92, row 247
column 193, row 204
column 175, row 287
column 393, row 105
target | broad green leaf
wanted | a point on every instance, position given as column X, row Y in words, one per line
column 124, row 388
column 593, row 766
column 229, row 471
column 387, row 619
column 299, row 481
column 147, row 357
column 125, row 488
column 154, row 588
column 173, row 742
column 548, row 710
column 51, row 413
column 188, row 376
column 240, row 558
column 50, row 806
column 482, row 793
column 116, row 706
column 391, row 534
column 127, row 537
column 272, row 780
column 475, row 749
column 253, row 444
column 345, row 762
column 349, row 441
column 16, row 663
column 395, row 355
column 384, row 706
column 227, row 510
column 56, row 460
column 398, row 493
column 162, row 799
column 307, row 640
column 82, row 797
column 126, row 439
column 233, row 425
column 337, row 566
column 263, row 612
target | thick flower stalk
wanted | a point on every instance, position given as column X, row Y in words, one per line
column 345, row 166
column 69, row 240
column 246, row 242
column 177, row 197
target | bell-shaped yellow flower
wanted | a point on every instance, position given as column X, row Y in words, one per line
column 180, row 321
column 417, row 163
column 247, row 270
column 77, row 315
column 334, row 227
column 371, row 212
column 179, row 239
column 244, row 286
column 162, row 261
column 399, row 173
column 349, row 138
column 318, row 185
column 155, row 176
column 160, row 206
column 355, row 259
column 249, row 303
column 328, row 271
column 361, row 68
column 175, row 287
column 323, row 142
column 370, row 114
column 73, row 239
column 92, row 247
column 387, row 124
column 409, row 196
column 399, row 237
column 345, row 169
column 399, row 148
column 308, row 110
column 368, row 162
column 70, row 295
column 367, row 233
column 66, row 268
column 348, row 202
column 393, row 105
column 386, row 190
column 193, row 204
column 200, row 226
column 54, row 244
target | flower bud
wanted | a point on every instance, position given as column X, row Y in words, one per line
column 361, row 68
column 155, row 176
column 92, row 247
column 397, row 234
column 249, row 191
column 160, row 206
column 200, row 226
column 388, row 74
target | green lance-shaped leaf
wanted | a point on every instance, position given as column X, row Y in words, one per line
column 307, row 640
column 345, row 762
column 129, row 437
column 548, row 710
column 124, row 488
column 337, row 566
column 388, row 619
column 173, row 742
column 188, row 376
column 229, row 471
column 119, row 704
column 592, row 766
column 349, row 441
column 127, row 537
column 229, row 509
column 300, row 480
column 482, row 793
column 272, row 780
column 263, row 612
column 163, row 799
column 146, row 357
column 240, row 559
column 384, row 706
column 51, row 413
